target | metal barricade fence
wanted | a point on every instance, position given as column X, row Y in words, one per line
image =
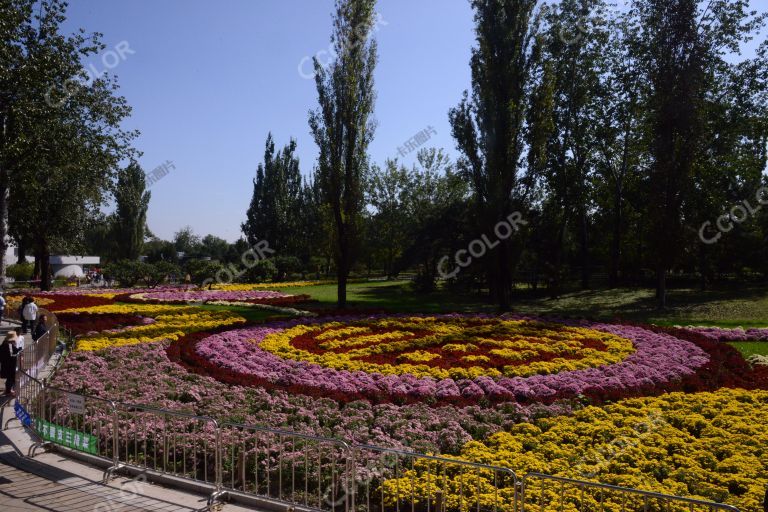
column 311, row 472
column 90, row 418
column 36, row 354
column 304, row 470
column 547, row 493
column 167, row 442
column 395, row 480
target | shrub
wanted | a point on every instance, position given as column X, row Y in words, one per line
column 286, row 265
column 127, row 272
column 156, row 273
column 20, row 272
column 203, row 272
column 263, row 270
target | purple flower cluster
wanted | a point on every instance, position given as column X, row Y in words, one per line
column 206, row 295
column 143, row 374
column 89, row 291
column 735, row 334
column 659, row 359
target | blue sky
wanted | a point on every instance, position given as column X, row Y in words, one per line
column 208, row 80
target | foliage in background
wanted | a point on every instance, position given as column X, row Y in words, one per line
column 489, row 126
column 130, row 218
column 20, row 271
column 343, row 127
column 65, row 146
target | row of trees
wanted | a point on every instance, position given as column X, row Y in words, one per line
column 616, row 134
column 63, row 152
column 61, row 141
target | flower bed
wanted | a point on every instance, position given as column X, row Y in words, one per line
column 632, row 359
column 14, row 301
column 62, row 302
column 735, row 334
column 144, row 374
column 713, row 446
column 204, row 295
column 268, row 286
column 208, row 296
column 89, row 323
column 171, row 323
column 503, row 391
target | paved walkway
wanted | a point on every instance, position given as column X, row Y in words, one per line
column 51, row 482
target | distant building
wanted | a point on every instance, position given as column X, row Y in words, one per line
column 72, row 266
column 11, row 256
column 61, row 266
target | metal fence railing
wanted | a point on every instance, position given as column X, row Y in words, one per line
column 393, row 480
column 75, row 412
column 542, row 492
column 167, row 442
column 310, row 472
column 305, row 470
column 37, row 353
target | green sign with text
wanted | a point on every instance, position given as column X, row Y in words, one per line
column 66, row 437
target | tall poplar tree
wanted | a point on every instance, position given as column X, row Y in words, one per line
column 273, row 214
column 489, row 124
column 343, row 127
column 132, row 202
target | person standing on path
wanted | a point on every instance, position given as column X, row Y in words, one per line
column 40, row 329
column 29, row 315
column 20, row 311
column 9, row 352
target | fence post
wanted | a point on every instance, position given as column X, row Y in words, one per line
column 218, row 492
column 520, row 495
column 351, row 483
column 218, row 458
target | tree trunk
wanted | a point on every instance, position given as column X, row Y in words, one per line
column 342, row 271
column 613, row 277
column 661, row 287
column 4, row 196
column 558, row 260
column 703, row 266
column 36, row 269
column 45, row 270
column 584, row 249
column 341, row 292
column 503, row 281
column 22, row 256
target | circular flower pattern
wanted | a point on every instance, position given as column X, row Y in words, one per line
column 285, row 355
column 448, row 347
column 206, row 295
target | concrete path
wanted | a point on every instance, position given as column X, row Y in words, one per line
column 51, row 482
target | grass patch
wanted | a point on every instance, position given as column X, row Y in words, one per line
column 255, row 315
column 751, row 348
column 732, row 307
column 395, row 296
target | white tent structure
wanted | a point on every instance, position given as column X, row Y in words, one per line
column 72, row 266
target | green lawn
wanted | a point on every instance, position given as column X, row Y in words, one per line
column 751, row 348
column 395, row 296
column 251, row 314
column 747, row 307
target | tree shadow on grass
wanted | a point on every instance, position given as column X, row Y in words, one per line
column 724, row 306
column 400, row 297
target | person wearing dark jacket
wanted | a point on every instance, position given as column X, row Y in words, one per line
column 40, row 328
column 9, row 352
